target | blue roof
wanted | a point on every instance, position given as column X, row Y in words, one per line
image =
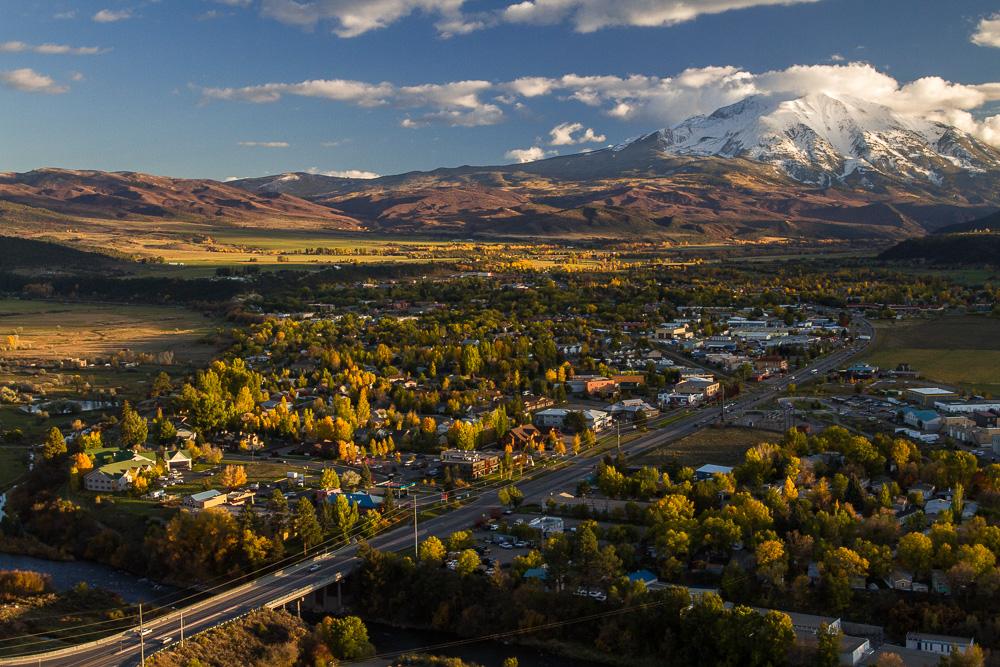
column 644, row 576
column 535, row 573
column 924, row 415
column 362, row 500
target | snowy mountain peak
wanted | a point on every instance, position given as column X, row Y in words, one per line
column 825, row 140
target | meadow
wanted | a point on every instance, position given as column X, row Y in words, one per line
column 51, row 331
column 720, row 446
column 960, row 350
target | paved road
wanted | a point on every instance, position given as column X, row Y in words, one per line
column 126, row 651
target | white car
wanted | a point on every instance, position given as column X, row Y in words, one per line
column 313, row 568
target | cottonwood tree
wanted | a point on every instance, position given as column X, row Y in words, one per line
column 432, row 551
column 347, row 638
column 234, row 476
column 55, row 444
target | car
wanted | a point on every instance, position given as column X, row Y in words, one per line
column 313, row 568
column 166, row 640
column 143, row 632
column 508, row 512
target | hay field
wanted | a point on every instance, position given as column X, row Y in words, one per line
column 54, row 331
column 962, row 350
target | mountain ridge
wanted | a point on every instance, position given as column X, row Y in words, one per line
column 815, row 167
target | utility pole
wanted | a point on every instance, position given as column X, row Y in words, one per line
column 416, row 550
column 182, row 629
column 142, row 642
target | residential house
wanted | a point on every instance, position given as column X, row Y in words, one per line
column 519, row 437
column 934, row 507
column 900, row 580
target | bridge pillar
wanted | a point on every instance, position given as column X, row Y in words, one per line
column 324, row 600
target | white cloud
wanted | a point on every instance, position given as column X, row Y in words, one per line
column 837, row 58
column 350, row 18
column 639, row 98
column 591, row 15
column 110, row 15
column 562, row 135
column 29, row 81
column 488, row 114
column 355, row 17
column 58, row 49
column 234, row 3
column 264, row 144
column 522, row 155
column 988, row 32
column 66, row 15
column 77, row 77
column 350, row 173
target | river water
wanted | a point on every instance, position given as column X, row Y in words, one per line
column 66, row 575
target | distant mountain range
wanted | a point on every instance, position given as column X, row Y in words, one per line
column 815, row 167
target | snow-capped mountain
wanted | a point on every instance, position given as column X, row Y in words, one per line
column 823, row 140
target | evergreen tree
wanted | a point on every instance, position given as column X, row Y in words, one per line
column 306, row 525
column 133, row 430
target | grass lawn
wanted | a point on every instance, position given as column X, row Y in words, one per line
column 961, row 350
column 721, row 446
column 11, row 465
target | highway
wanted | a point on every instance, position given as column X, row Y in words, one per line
column 126, row 650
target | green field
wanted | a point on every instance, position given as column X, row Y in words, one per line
column 721, row 446
column 961, row 350
column 11, row 465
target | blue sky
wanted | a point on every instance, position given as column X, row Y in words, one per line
column 237, row 88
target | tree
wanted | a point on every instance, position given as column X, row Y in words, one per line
column 133, row 429
column 838, row 569
column 970, row 657
column 432, row 551
column 164, row 432
column 161, row 385
column 278, row 506
column 234, row 476
column 463, row 539
column 306, row 525
column 347, row 638
column 772, row 563
column 510, row 496
column 365, row 480
column 55, row 444
column 916, row 552
column 330, row 479
column 345, row 515
column 509, row 662
column 828, row 653
column 468, row 563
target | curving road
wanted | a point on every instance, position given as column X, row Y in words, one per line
column 126, row 650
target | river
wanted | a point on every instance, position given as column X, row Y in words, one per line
column 131, row 588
